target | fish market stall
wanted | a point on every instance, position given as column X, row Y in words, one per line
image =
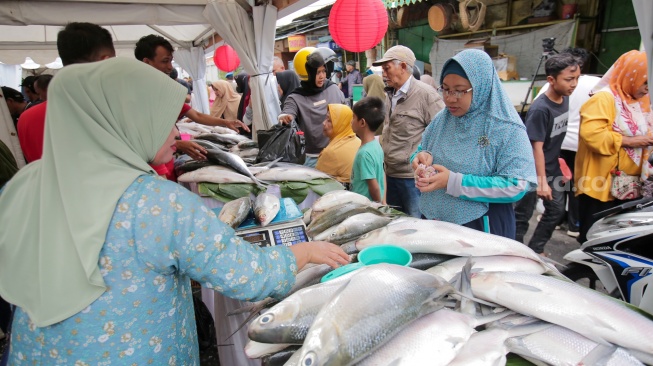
column 261, row 202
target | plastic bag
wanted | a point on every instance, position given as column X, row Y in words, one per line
column 282, row 141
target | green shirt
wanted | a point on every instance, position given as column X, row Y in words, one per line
column 368, row 164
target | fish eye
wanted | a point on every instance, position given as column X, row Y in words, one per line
column 266, row 318
column 310, row 359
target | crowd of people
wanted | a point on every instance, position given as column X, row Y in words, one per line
column 453, row 150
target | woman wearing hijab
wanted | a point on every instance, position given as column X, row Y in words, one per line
column 337, row 158
column 288, row 82
column 427, row 79
column 308, row 103
column 226, row 100
column 100, row 253
column 373, row 86
column 615, row 130
column 479, row 148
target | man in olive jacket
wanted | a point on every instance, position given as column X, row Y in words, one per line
column 410, row 107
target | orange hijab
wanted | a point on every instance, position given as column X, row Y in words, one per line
column 226, row 106
column 634, row 116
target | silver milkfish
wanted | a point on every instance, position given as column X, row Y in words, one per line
column 433, row 339
column 297, row 173
column 496, row 263
column 214, row 174
column 353, row 227
column 289, row 320
column 597, row 316
column 430, row 236
column 377, row 303
column 335, row 198
column 560, row 346
column 234, row 212
column 487, row 347
column 266, row 208
column 336, row 215
column 232, row 161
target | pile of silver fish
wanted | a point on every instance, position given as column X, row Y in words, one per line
column 266, row 206
column 481, row 298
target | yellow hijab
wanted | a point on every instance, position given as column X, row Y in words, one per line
column 105, row 121
column 227, row 106
column 337, row 158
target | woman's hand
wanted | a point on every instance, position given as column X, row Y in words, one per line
column 637, row 141
column 422, row 158
column 235, row 125
column 191, row 149
column 285, row 118
column 435, row 181
column 319, row 252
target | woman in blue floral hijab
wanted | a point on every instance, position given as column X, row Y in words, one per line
column 479, row 148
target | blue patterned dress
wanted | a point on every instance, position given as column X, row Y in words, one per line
column 160, row 237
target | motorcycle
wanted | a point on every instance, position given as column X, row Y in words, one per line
column 618, row 254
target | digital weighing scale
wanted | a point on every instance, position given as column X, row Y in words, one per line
column 287, row 228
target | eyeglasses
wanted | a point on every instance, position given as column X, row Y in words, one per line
column 453, row 93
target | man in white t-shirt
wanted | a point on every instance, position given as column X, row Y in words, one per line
column 570, row 143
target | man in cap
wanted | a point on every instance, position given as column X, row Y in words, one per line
column 410, row 107
column 231, row 81
column 353, row 77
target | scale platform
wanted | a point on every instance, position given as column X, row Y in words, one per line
column 287, row 228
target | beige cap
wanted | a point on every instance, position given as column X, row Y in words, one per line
column 401, row 53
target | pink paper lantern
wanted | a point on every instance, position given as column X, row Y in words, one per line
column 358, row 25
column 226, row 58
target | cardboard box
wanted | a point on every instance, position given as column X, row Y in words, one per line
column 506, row 66
column 483, row 45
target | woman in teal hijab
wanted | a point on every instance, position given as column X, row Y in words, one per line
column 479, row 147
column 97, row 252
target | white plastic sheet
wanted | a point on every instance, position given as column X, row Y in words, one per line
column 193, row 61
column 253, row 40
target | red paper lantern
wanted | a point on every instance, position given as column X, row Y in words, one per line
column 358, row 25
column 226, row 58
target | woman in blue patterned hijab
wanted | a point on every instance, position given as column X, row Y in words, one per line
column 479, row 147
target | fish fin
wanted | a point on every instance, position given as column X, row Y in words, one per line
column 646, row 358
column 599, row 356
column 551, row 262
column 525, row 287
column 477, row 300
column 464, row 244
column 600, row 323
column 254, row 307
column 466, row 305
column 244, row 323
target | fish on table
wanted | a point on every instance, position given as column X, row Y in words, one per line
column 353, row 227
column 266, row 208
column 234, row 212
column 214, row 174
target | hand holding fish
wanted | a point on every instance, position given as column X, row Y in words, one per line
column 319, row 252
column 435, row 181
column 235, row 125
column 191, row 149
